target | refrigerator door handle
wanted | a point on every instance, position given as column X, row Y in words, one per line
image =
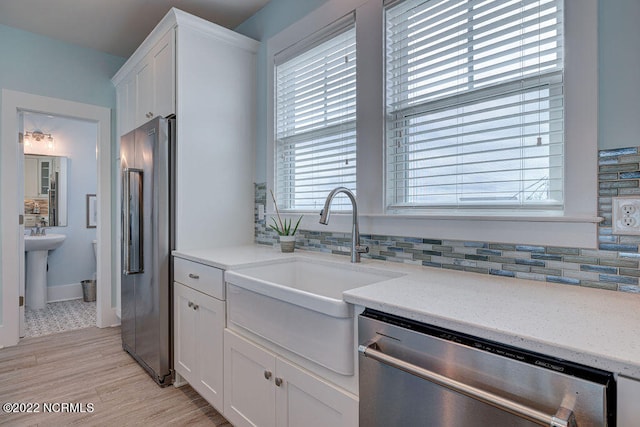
column 133, row 233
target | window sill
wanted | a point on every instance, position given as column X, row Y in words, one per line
column 578, row 231
column 471, row 215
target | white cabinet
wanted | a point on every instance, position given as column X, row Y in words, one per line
column 126, row 105
column 249, row 383
column 144, row 92
column 198, row 330
column 264, row 389
column 149, row 89
column 628, row 398
column 206, row 75
column 155, row 81
column 185, row 351
column 304, row 399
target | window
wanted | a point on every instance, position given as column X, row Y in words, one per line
column 315, row 118
column 475, row 104
column 497, row 202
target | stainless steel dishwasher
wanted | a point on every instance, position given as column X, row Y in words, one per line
column 413, row 374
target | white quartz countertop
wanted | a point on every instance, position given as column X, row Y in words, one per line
column 594, row 327
column 232, row 257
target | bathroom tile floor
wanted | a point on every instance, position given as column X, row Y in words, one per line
column 59, row 317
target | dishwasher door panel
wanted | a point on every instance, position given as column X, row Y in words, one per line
column 390, row 396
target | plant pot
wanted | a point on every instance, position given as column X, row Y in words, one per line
column 287, row 243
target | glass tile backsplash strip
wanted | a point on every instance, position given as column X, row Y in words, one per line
column 613, row 266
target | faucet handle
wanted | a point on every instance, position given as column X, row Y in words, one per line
column 362, row 249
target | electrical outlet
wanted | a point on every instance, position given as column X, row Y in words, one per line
column 260, row 212
column 626, row 215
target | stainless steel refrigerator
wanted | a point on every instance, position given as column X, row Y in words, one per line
column 146, row 157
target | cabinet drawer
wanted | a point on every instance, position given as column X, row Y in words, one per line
column 200, row 277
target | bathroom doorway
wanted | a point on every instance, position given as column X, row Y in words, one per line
column 60, row 180
column 12, row 207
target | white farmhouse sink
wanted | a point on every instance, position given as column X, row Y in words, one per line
column 37, row 248
column 297, row 304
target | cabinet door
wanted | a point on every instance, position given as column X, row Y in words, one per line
column 303, row 399
column 209, row 328
column 126, row 105
column 163, row 59
column 628, row 397
column 249, row 390
column 155, row 81
column 185, row 348
column 144, row 91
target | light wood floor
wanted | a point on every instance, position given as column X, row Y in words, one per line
column 89, row 366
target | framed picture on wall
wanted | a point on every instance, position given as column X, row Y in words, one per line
column 92, row 211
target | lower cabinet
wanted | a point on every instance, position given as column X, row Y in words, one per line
column 263, row 389
column 198, row 350
column 628, row 398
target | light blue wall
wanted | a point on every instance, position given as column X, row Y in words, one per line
column 269, row 21
column 74, row 261
column 42, row 66
column 39, row 65
column 619, row 68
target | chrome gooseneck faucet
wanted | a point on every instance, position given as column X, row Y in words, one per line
column 356, row 248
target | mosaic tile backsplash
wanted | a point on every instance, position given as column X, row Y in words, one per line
column 613, row 266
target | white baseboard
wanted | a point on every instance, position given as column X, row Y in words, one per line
column 64, row 292
column 117, row 313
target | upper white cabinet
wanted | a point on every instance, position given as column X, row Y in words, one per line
column 206, row 75
column 149, row 90
column 155, row 81
column 126, row 104
column 144, row 92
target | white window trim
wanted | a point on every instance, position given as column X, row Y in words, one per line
column 302, row 186
column 576, row 226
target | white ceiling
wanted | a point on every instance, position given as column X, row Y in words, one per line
column 114, row 26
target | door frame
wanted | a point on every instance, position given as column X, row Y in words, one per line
column 14, row 102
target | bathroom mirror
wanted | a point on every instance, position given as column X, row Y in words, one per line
column 45, row 190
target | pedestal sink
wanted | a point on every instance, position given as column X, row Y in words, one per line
column 37, row 249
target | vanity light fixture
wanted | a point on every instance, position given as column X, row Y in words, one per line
column 31, row 138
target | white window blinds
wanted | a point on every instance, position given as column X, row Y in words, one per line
column 474, row 104
column 316, row 119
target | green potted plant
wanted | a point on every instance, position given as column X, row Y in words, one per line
column 284, row 230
